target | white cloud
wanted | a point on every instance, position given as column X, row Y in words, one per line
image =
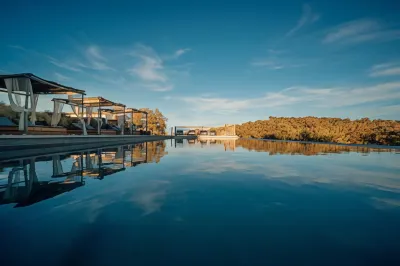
column 361, row 31
column 307, row 18
column 61, row 77
column 383, row 70
column 317, row 97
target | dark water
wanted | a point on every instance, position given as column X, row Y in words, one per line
column 243, row 202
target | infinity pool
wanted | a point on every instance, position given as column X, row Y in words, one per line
column 243, row 202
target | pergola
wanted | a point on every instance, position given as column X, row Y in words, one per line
column 125, row 111
column 98, row 102
column 30, row 87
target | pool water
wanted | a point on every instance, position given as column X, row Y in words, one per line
column 179, row 202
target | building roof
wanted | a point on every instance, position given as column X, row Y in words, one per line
column 127, row 111
column 96, row 102
column 42, row 86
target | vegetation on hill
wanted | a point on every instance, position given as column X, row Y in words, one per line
column 362, row 131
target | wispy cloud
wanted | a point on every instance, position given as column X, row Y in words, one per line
column 316, row 97
column 361, row 31
column 175, row 55
column 160, row 88
column 94, row 51
column 275, row 52
column 61, row 77
column 262, row 62
column 387, row 69
column 274, row 64
column 180, row 52
column 65, row 65
column 94, row 59
column 227, row 106
column 150, row 66
column 276, row 60
column 18, row 47
column 307, row 18
column 267, row 63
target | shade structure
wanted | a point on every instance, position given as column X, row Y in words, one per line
column 42, row 86
column 30, row 87
column 98, row 102
column 127, row 111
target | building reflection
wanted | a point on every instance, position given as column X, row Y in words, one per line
column 178, row 143
column 20, row 183
column 24, row 188
column 228, row 145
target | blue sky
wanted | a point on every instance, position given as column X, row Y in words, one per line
column 214, row 62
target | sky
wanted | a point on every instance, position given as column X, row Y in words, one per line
column 214, row 62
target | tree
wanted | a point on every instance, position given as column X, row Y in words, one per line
column 156, row 121
column 324, row 129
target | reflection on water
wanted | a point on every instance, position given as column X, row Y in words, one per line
column 203, row 202
column 273, row 147
column 23, row 186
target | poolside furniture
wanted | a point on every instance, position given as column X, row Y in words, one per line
column 204, row 132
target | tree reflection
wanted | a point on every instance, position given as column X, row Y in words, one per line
column 299, row 148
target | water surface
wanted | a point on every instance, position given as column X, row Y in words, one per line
column 244, row 202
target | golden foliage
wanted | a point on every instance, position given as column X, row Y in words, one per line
column 362, row 131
